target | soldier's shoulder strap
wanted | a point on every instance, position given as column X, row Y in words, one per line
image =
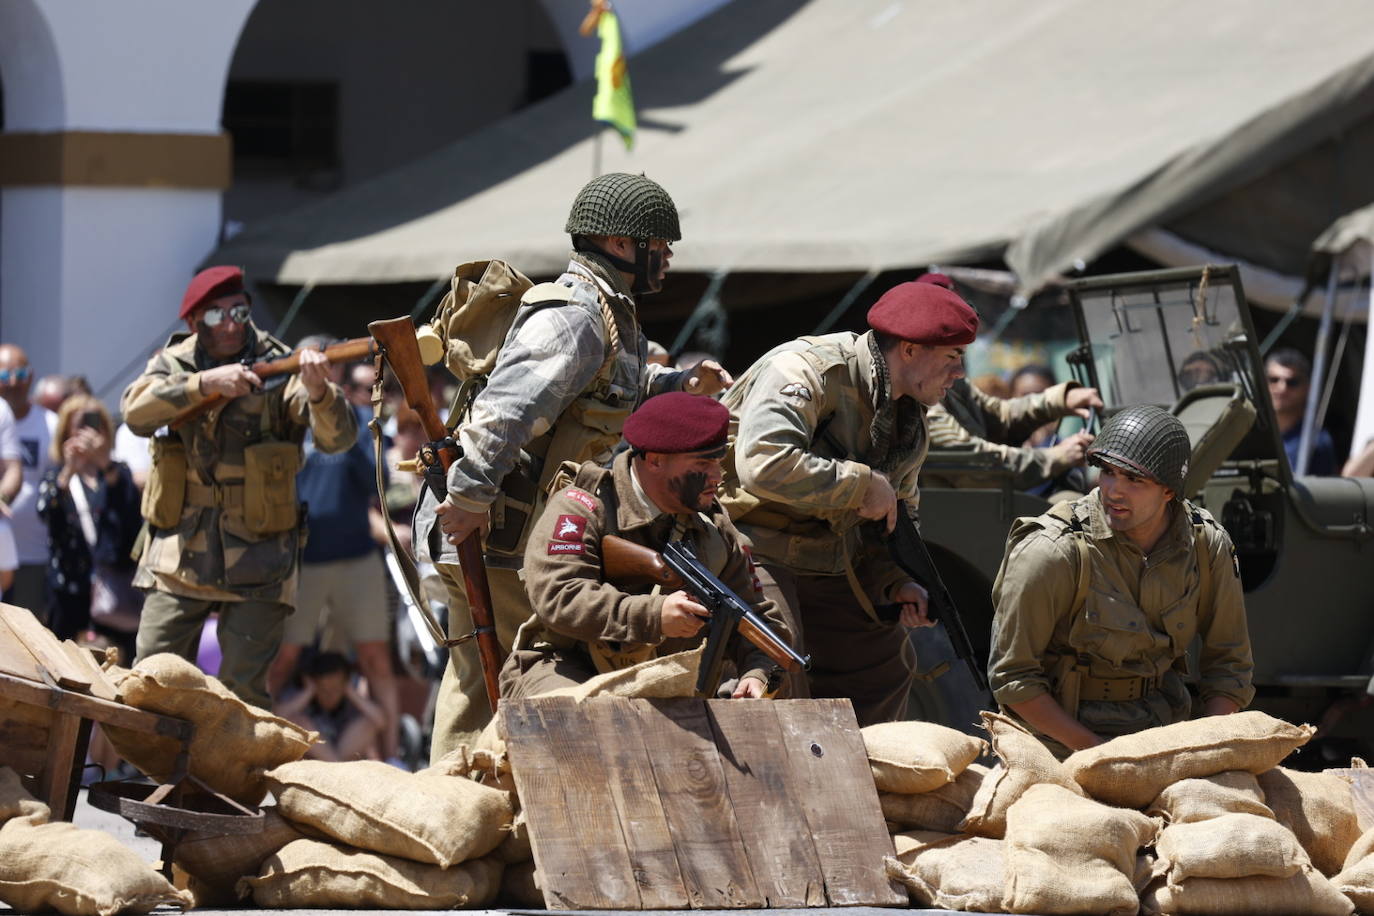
column 1066, row 516
column 546, row 293
column 1202, row 520
column 542, row 295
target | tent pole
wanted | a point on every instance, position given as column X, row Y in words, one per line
column 1309, row 417
column 1364, row 413
column 294, row 310
column 843, row 305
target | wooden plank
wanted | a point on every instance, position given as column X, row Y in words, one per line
column 830, row 771
column 772, row 822
column 82, row 658
column 139, row 720
column 15, row 657
column 630, row 777
column 61, row 776
column 24, row 736
column 691, row 786
column 574, row 831
column 45, row 648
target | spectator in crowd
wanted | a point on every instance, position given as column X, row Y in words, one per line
column 403, row 489
column 658, row 354
column 991, row 383
column 329, row 703
column 357, row 386
column 90, row 508
column 1289, row 374
column 1034, row 378
column 50, row 391
column 342, row 578
column 34, row 425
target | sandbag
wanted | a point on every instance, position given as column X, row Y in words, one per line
column 912, row 757
column 949, row 871
column 311, row 873
column 1229, row 846
column 484, row 764
column 520, row 887
column 1306, row 893
column 1189, row 800
column 233, row 743
column 1356, row 880
column 1320, row 810
column 1132, row 770
column 943, row 809
column 442, row 820
column 15, row 800
column 78, row 872
column 217, row 861
column 515, row 848
column 1069, row 854
column 1025, row 762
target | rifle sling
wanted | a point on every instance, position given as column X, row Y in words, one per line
column 409, row 573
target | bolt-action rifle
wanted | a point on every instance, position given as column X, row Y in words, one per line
column 677, row 567
column 396, row 341
column 343, row 352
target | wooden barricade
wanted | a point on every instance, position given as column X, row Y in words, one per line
column 702, row 804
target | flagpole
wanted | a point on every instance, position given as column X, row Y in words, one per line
column 596, row 152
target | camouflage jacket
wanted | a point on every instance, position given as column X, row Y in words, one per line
column 998, row 426
column 211, row 554
column 1126, row 614
column 810, row 422
column 577, row 610
column 546, row 398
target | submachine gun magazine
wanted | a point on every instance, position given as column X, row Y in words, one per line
column 678, row 567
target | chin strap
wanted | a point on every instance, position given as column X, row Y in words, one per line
column 644, row 267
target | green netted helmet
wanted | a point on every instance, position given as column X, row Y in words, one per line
column 622, row 204
column 1147, row 441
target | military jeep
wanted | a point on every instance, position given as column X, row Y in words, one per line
column 1183, row 339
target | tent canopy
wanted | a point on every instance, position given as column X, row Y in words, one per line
column 838, row 136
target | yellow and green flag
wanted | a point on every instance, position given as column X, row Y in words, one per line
column 613, row 104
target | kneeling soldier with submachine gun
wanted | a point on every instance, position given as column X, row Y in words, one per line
column 591, row 562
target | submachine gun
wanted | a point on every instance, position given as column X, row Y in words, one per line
column 677, row 567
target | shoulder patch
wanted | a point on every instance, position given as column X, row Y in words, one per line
column 570, row 528
column 796, row 390
column 547, row 292
column 582, row 497
column 558, row 547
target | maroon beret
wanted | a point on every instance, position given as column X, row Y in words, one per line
column 926, row 314
column 678, row 422
column 210, row 284
column 937, row 279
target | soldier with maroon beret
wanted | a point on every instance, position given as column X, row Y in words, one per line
column 829, row 434
column 662, row 489
column 224, row 524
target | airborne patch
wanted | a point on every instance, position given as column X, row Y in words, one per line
column 796, row 390
column 569, row 528
column 581, row 496
column 557, row 547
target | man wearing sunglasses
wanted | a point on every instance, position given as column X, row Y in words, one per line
column 224, row 525
column 34, row 426
column 1289, row 374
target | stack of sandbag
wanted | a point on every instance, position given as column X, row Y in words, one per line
column 1356, row 878
column 234, row 743
column 215, row 862
column 386, row 838
column 925, row 773
column 48, row 865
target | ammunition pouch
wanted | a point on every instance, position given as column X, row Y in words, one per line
column 517, row 504
column 165, row 493
column 269, row 487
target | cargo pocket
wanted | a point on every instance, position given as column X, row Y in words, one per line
column 269, row 487
column 164, row 496
column 1112, row 630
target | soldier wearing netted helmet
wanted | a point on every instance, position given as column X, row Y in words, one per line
column 1098, row 599
column 572, row 368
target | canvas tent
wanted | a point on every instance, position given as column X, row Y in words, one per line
column 830, row 135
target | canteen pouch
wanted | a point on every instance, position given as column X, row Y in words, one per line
column 164, row 496
column 269, row 487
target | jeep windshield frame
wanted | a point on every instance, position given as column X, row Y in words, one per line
column 1150, row 337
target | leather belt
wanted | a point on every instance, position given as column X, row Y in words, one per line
column 224, row 496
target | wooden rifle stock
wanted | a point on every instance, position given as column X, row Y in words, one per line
column 396, row 338
column 344, row 352
column 626, row 563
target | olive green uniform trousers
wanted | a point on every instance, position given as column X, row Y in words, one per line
column 249, row 635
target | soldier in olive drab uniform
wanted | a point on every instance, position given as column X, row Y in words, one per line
column 571, row 369
column 662, row 489
column 225, row 528
column 1098, row 599
column 830, row 432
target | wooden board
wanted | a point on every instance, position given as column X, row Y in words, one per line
column 39, row 640
column 578, row 847
column 15, row 657
column 829, row 768
column 83, row 660
column 706, row 803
